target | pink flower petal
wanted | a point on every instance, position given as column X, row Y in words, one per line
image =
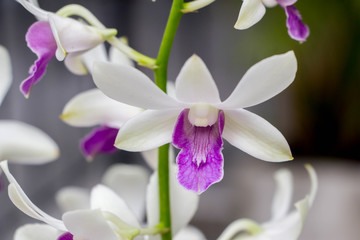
column 296, row 28
column 200, row 160
column 100, row 140
column 41, row 41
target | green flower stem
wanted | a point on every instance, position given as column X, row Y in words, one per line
column 78, row 10
column 164, row 191
column 160, row 74
column 167, row 41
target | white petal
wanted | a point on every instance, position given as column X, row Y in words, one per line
column 190, row 233
column 263, row 81
column 105, row 199
column 96, row 54
column 290, row 226
column 270, row 3
column 33, row 8
column 240, row 225
column 92, row 107
column 75, row 36
column 255, row 136
column 89, row 225
column 283, row 194
column 195, row 83
column 73, row 198
column 36, row 232
column 147, row 130
column 74, row 64
column 184, row 203
column 129, row 182
column 128, row 85
column 250, row 13
column 151, row 157
column 5, row 72
column 118, row 57
column 23, row 143
column 23, row 203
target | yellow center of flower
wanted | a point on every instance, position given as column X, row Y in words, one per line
column 203, row 115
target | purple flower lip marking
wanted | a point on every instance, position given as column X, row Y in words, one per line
column 296, row 28
column 41, row 41
column 196, row 120
column 100, row 140
column 66, row 236
column 200, row 160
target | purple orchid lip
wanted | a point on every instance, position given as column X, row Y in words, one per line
column 296, row 28
column 41, row 41
column 200, row 160
column 66, row 236
column 100, row 140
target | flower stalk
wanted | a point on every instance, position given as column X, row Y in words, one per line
column 160, row 74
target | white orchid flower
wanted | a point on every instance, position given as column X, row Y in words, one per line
column 93, row 108
column 252, row 11
column 54, row 35
column 283, row 224
column 196, row 119
column 109, row 217
column 21, row 142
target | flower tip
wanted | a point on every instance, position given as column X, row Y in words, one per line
column 89, row 158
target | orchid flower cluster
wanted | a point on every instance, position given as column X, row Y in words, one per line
column 131, row 112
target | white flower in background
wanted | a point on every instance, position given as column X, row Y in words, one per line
column 196, row 120
column 54, row 35
column 284, row 225
column 93, row 108
column 103, row 214
column 21, row 142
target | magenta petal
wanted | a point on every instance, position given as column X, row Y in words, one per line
column 296, row 28
column 100, row 140
column 66, row 236
column 200, row 160
column 41, row 41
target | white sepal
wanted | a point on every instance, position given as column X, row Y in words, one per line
column 128, row 85
column 23, row 143
column 5, row 73
column 129, row 182
column 263, row 81
column 255, row 136
column 251, row 12
column 147, row 130
column 92, row 107
column 184, row 203
column 36, row 231
column 195, row 83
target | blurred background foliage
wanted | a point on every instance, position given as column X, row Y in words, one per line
column 326, row 92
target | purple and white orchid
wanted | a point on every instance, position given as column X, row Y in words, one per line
column 92, row 108
column 252, row 11
column 19, row 141
column 196, row 120
column 283, row 224
column 54, row 35
column 103, row 214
